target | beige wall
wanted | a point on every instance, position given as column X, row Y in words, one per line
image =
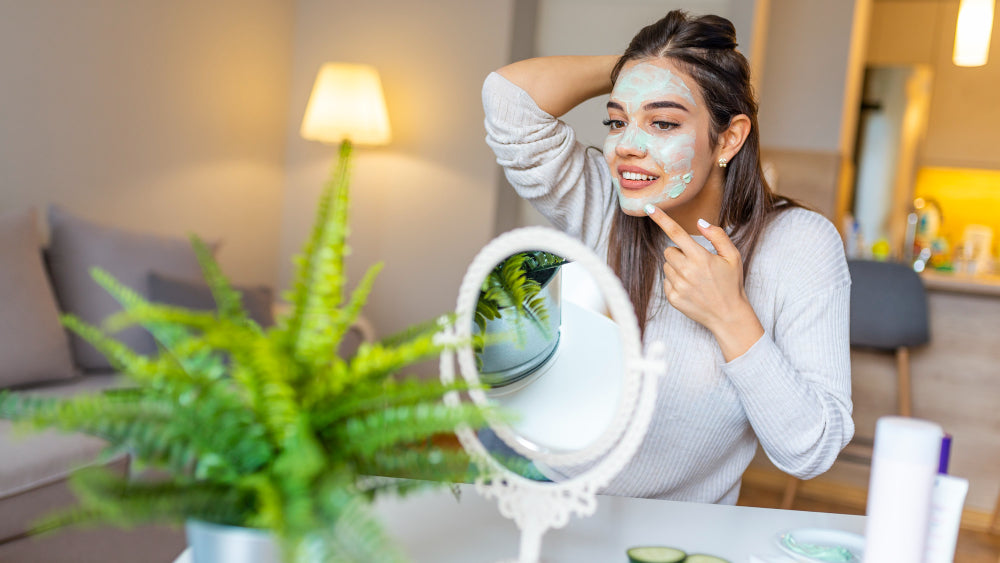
column 964, row 115
column 161, row 116
column 425, row 203
column 807, row 73
column 809, row 97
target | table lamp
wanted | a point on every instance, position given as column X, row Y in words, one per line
column 346, row 107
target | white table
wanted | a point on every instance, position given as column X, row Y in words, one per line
column 434, row 527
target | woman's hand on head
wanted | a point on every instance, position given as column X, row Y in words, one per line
column 708, row 287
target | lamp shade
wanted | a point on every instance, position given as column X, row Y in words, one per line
column 347, row 104
column 972, row 33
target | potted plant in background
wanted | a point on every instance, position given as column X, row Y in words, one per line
column 263, row 429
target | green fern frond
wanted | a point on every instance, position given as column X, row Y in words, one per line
column 130, row 300
column 154, row 428
column 120, row 356
column 262, row 373
column 365, row 435
column 227, row 300
column 299, row 293
column 127, row 502
column 349, row 313
column 323, row 386
column 374, row 395
column 319, row 283
column 417, row 331
column 429, row 464
column 149, row 314
column 374, row 361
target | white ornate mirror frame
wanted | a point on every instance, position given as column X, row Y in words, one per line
column 538, row 506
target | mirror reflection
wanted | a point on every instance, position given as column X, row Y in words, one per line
column 518, row 317
column 548, row 353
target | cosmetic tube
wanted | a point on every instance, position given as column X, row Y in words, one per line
column 904, row 464
column 947, row 501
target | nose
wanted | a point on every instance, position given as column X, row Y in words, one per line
column 631, row 143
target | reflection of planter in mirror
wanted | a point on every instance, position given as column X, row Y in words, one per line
column 520, row 337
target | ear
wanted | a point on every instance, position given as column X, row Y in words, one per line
column 731, row 140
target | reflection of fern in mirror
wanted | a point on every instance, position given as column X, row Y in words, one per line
column 513, row 287
column 268, row 429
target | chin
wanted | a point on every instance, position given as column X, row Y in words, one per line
column 633, row 212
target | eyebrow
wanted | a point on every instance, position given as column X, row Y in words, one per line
column 651, row 105
column 664, row 104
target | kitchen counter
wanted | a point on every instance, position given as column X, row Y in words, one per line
column 961, row 283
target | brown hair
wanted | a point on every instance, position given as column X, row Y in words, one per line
column 705, row 48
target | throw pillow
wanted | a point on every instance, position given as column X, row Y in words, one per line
column 33, row 343
column 169, row 290
column 78, row 245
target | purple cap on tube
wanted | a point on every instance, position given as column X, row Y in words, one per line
column 945, row 454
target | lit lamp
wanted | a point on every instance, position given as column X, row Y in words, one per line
column 972, row 33
column 346, row 107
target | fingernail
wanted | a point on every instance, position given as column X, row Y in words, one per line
column 703, row 224
column 649, row 209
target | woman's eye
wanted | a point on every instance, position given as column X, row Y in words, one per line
column 614, row 124
column 665, row 125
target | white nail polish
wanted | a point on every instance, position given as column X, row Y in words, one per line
column 703, row 224
column 649, row 209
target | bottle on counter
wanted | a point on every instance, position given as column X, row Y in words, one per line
column 977, row 242
column 928, row 223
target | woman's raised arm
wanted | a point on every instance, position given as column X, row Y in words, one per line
column 558, row 84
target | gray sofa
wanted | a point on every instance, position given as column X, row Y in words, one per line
column 39, row 356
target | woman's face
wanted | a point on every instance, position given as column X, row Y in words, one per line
column 658, row 148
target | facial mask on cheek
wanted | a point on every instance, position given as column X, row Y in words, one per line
column 674, row 156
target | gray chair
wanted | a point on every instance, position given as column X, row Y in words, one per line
column 888, row 313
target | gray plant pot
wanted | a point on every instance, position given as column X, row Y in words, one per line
column 216, row 543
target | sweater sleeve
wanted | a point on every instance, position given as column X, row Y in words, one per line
column 565, row 181
column 795, row 381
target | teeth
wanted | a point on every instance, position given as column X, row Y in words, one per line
column 637, row 176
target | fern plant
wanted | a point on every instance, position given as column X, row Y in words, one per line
column 263, row 428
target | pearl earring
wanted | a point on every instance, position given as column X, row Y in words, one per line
column 723, row 162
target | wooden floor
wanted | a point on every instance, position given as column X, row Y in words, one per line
column 973, row 546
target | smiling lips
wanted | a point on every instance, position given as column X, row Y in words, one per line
column 634, row 178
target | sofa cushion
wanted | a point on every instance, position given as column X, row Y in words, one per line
column 78, row 245
column 169, row 290
column 33, row 343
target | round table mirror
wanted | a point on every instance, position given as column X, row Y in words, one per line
column 554, row 344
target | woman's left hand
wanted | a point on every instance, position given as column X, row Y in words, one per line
column 708, row 287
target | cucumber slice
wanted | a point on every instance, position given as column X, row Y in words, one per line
column 702, row 558
column 655, row 554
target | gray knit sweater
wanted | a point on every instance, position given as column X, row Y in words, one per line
column 791, row 391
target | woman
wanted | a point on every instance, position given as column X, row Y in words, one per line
column 748, row 290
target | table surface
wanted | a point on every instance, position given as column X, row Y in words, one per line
column 434, row 526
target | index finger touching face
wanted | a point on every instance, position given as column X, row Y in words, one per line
column 676, row 233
